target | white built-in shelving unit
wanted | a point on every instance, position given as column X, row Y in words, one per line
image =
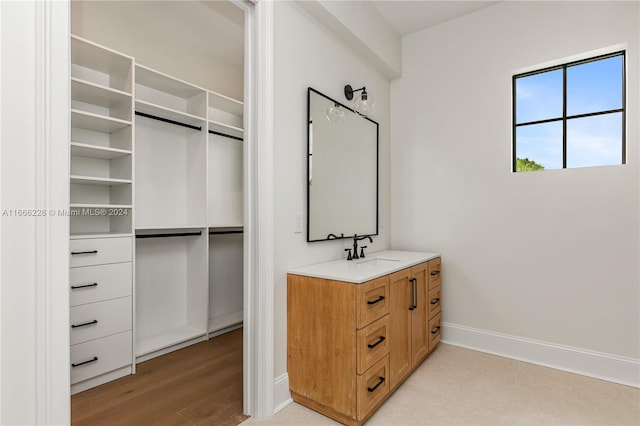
column 156, row 169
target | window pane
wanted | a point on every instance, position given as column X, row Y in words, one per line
column 594, row 86
column 594, row 141
column 539, row 97
column 539, row 145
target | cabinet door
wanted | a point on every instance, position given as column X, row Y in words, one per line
column 400, row 360
column 419, row 332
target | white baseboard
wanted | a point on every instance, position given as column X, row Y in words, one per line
column 281, row 394
column 613, row 368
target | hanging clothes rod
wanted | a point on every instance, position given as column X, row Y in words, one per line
column 213, row 132
column 181, row 234
column 225, row 232
column 166, row 120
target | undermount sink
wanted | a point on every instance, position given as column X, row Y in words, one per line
column 376, row 260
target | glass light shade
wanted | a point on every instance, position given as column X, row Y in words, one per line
column 335, row 113
column 364, row 104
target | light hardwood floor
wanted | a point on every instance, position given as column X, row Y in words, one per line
column 201, row 384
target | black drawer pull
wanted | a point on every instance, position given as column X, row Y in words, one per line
column 377, row 384
column 434, row 273
column 94, row 359
column 435, row 330
column 434, row 301
column 73, row 253
column 84, row 324
column 373, row 302
column 373, row 345
column 74, row 287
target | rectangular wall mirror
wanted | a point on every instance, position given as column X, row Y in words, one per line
column 342, row 171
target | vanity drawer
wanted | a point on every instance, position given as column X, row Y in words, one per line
column 98, row 251
column 100, row 356
column 373, row 387
column 372, row 300
column 373, row 343
column 433, row 301
column 88, row 284
column 95, row 320
column 435, row 330
column 434, row 272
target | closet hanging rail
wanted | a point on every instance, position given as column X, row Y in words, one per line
column 225, row 232
column 213, row 132
column 166, row 120
column 178, row 234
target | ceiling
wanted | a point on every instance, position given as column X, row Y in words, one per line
column 407, row 17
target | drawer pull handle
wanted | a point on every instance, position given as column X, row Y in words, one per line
column 373, row 302
column 74, row 287
column 436, row 330
column 381, row 381
column 73, row 253
column 434, row 301
column 373, row 345
column 84, row 324
column 94, row 359
column 434, row 273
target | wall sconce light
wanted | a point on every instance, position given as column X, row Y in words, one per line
column 335, row 113
column 363, row 103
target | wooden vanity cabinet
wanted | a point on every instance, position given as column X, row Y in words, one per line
column 350, row 345
column 409, row 340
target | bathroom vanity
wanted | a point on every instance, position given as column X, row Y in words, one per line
column 357, row 329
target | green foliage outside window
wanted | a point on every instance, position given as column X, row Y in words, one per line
column 526, row 165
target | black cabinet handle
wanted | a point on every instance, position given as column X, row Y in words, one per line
column 73, row 253
column 74, row 287
column 84, row 324
column 434, row 273
column 381, row 381
column 435, row 330
column 94, row 359
column 373, row 302
column 434, row 301
column 414, row 290
column 373, row 345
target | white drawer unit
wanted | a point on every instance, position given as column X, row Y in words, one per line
column 90, row 284
column 95, row 320
column 100, row 356
column 98, row 251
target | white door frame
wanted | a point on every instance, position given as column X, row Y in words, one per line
column 46, row 401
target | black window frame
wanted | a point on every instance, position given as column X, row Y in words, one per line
column 564, row 117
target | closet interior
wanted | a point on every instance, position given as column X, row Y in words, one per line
column 156, row 185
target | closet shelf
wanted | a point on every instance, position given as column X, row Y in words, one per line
column 221, row 322
column 156, row 342
column 96, row 122
column 94, row 151
column 225, row 103
column 91, row 93
column 163, row 229
column 159, row 81
column 81, row 236
column 92, row 180
column 226, row 128
column 90, row 55
column 168, row 113
column 99, row 206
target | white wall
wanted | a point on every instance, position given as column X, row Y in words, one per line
column 165, row 37
column 307, row 54
column 551, row 256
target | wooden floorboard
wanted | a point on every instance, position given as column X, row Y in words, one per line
column 197, row 385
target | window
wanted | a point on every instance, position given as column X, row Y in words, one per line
column 570, row 115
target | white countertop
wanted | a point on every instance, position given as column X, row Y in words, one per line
column 358, row 271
